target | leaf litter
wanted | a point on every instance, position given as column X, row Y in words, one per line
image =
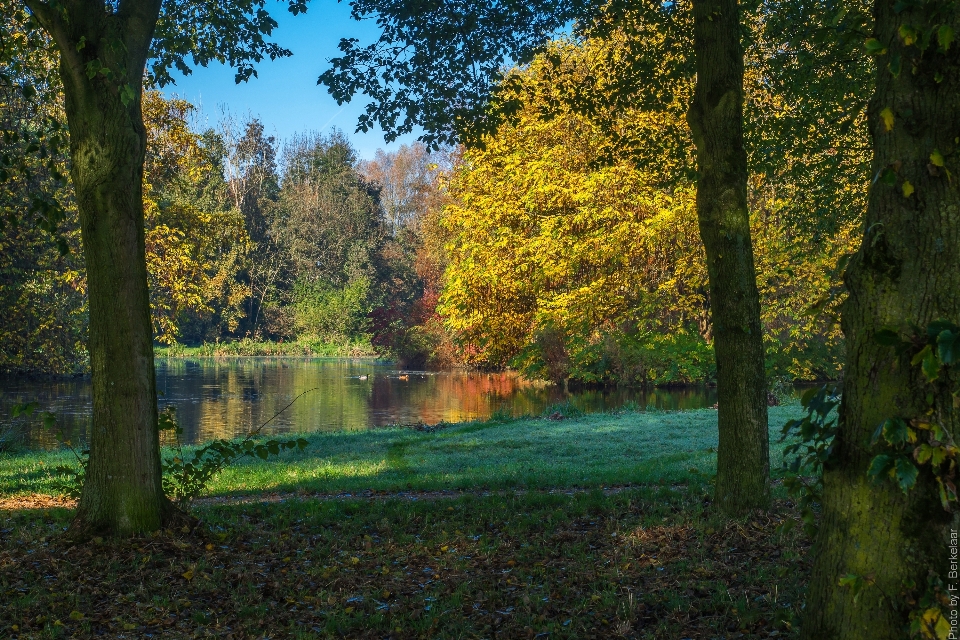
column 639, row 563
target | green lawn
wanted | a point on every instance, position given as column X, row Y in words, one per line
column 655, row 561
column 631, row 447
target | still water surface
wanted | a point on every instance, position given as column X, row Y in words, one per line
column 226, row 397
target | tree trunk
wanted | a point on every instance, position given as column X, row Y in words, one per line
column 716, row 121
column 905, row 274
column 122, row 494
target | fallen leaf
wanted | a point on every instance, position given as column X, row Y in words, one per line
column 907, row 189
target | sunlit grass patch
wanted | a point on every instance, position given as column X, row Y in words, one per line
column 630, row 447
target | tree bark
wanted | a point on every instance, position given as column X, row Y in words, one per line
column 122, row 493
column 906, row 273
column 716, row 121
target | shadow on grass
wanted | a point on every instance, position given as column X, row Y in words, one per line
column 644, row 563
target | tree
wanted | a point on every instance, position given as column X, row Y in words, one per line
column 412, row 195
column 196, row 242
column 41, row 281
column 254, row 188
column 451, row 99
column 716, row 121
column 883, row 545
column 405, row 183
column 332, row 231
column 103, row 50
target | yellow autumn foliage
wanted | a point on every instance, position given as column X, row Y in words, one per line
column 570, row 256
column 195, row 247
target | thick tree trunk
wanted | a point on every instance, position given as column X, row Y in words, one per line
column 716, row 121
column 122, row 494
column 906, row 273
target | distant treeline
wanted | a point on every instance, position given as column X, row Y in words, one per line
column 566, row 247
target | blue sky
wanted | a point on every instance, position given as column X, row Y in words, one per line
column 286, row 96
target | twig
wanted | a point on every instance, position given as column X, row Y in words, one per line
column 277, row 414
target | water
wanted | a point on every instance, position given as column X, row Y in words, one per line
column 227, row 397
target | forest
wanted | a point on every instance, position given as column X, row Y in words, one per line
column 585, row 239
column 754, row 199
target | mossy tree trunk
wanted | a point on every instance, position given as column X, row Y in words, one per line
column 716, row 121
column 102, row 56
column 905, row 274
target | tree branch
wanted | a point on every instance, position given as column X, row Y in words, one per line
column 55, row 27
column 138, row 20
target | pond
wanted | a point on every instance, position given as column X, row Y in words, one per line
column 226, row 397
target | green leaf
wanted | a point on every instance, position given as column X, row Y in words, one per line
column 923, row 453
column 880, row 465
column 855, row 583
column 937, row 327
column 895, row 65
column 837, row 18
column 920, row 355
column 908, row 34
column 127, row 95
column 887, row 337
column 905, row 473
column 948, row 493
column 945, row 37
column 808, row 395
column 948, row 346
column 25, row 409
column 935, row 455
column 931, row 366
column 895, row 431
column 874, row 47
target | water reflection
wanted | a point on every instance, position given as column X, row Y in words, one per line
column 222, row 397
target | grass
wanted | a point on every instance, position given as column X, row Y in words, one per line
column 308, row 346
column 648, row 561
column 630, row 447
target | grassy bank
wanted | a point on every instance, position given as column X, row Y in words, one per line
column 631, row 447
column 650, row 561
column 308, row 347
